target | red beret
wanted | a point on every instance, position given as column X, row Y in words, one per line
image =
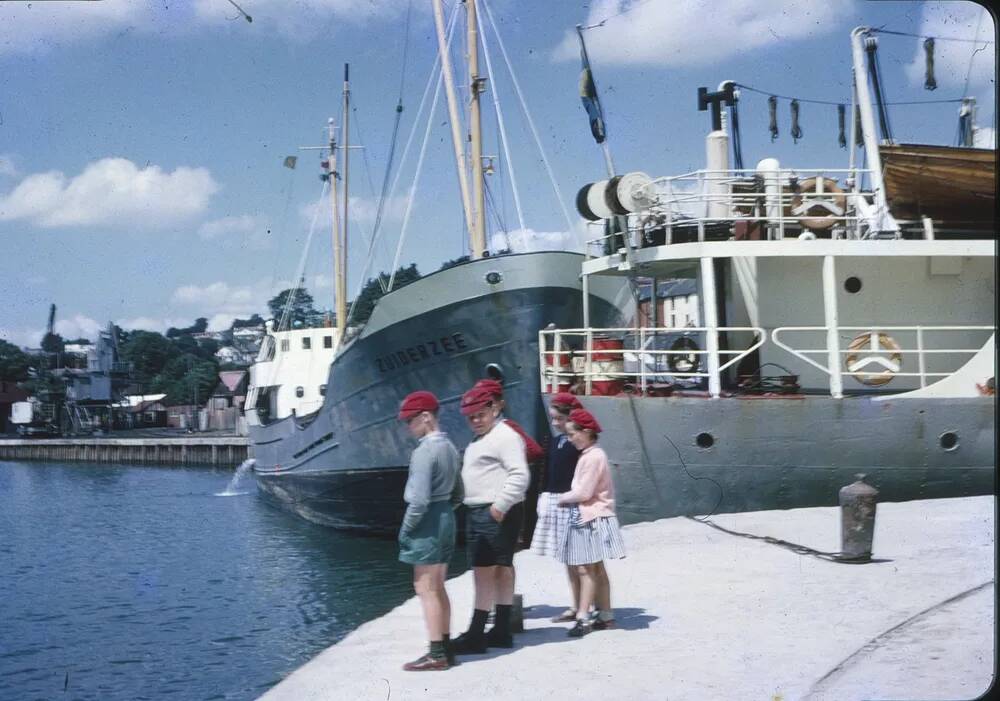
column 416, row 402
column 566, row 399
column 584, row 419
column 475, row 399
column 492, row 386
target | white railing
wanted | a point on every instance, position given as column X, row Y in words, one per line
column 606, row 365
column 773, row 199
column 882, row 350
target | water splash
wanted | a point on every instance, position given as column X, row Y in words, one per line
column 241, row 472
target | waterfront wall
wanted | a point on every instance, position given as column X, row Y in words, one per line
column 217, row 451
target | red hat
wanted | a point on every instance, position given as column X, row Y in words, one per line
column 584, row 419
column 475, row 399
column 492, row 386
column 416, row 402
column 566, row 399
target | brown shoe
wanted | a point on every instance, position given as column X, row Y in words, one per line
column 427, row 664
column 567, row 616
column 598, row 624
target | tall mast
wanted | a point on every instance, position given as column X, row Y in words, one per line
column 478, row 232
column 342, row 278
column 338, row 266
column 456, row 136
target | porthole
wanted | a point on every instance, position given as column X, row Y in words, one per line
column 300, row 392
column 704, row 440
column 949, row 440
column 852, row 284
column 493, row 277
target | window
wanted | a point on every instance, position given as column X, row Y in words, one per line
column 299, row 392
column 306, row 343
column 322, row 390
column 284, row 344
column 328, row 341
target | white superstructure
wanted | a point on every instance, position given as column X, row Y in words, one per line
column 291, row 370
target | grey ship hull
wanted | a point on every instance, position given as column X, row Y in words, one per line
column 780, row 453
column 345, row 465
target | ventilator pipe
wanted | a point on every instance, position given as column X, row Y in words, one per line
column 717, row 162
column 770, row 170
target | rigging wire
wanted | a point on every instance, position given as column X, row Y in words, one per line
column 618, row 14
column 829, row 102
column 935, row 38
column 527, row 114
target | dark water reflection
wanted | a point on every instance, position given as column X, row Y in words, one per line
column 140, row 583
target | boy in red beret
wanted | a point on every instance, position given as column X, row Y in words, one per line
column 427, row 535
column 495, row 478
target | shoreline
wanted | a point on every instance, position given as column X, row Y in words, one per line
column 706, row 614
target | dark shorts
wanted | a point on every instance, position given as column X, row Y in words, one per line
column 432, row 542
column 490, row 543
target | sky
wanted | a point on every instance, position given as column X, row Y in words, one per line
column 142, row 143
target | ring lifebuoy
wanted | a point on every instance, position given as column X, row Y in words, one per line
column 678, row 362
column 872, row 348
column 817, row 210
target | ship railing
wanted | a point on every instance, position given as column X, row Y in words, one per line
column 749, row 205
column 875, row 355
column 693, row 355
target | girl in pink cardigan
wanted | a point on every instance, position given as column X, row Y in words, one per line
column 594, row 534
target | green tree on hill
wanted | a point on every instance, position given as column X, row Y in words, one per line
column 14, row 363
column 372, row 291
column 301, row 313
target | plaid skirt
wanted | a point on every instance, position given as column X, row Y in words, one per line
column 594, row 541
column 551, row 527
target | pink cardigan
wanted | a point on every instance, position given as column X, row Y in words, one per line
column 592, row 489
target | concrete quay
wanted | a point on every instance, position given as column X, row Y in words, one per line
column 159, row 450
column 705, row 614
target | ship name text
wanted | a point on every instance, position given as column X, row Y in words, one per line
column 418, row 352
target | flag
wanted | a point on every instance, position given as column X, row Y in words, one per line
column 290, row 161
column 591, row 103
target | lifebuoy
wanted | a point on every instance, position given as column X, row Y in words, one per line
column 818, row 206
column 679, row 362
column 871, row 349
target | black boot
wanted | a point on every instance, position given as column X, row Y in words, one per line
column 499, row 635
column 449, row 650
column 472, row 641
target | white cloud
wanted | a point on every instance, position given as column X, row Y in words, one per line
column 111, row 192
column 952, row 58
column 78, row 326
column 146, row 323
column 23, row 338
column 215, row 297
column 527, row 240
column 361, row 210
column 696, row 32
column 217, row 228
column 984, row 137
column 32, row 27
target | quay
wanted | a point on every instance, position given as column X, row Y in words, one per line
column 157, row 450
column 708, row 614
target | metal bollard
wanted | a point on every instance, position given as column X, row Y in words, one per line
column 857, row 520
column 517, row 614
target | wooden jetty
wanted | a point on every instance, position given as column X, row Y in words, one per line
column 215, row 450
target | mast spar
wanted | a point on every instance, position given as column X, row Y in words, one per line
column 478, row 232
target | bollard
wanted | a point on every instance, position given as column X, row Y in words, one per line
column 857, row 520
column 517, row 614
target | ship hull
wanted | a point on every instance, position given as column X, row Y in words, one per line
column 345, row 465
column 781, row 453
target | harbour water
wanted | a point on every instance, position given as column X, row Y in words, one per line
column 146, row 583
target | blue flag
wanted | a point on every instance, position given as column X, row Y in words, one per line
column 591, row 103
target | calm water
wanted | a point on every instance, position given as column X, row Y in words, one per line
column 139, row 583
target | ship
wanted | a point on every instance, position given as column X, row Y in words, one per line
column 344, row 463
column 846, row 326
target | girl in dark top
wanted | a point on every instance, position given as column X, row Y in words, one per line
column 553, row 520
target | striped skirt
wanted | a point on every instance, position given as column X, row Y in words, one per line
column 594, row 541
column 551, row 527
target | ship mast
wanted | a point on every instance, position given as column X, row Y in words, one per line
column 478, row 232
column 342, row 272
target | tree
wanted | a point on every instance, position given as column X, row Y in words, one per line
column 149, row 352
column 14, row 363
column 301, row 312
column 254, row 320
column 372, row 291
column 186, row 379
column 53, row 343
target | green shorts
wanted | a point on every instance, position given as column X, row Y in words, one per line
column 432, row 542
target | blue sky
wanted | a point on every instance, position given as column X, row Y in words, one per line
column 141, row 144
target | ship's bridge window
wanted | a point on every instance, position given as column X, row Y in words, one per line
column 299, row 392
column 284, row 344
column 328, row 341
column 306, row 343
column 322, row 390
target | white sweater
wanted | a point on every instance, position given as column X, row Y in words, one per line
column 494, row 470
